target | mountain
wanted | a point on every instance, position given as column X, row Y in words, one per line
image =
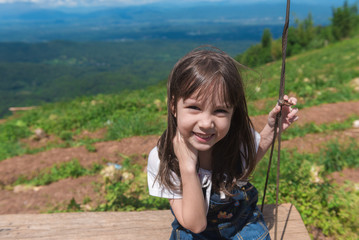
column 55, row 54
column 30, row 22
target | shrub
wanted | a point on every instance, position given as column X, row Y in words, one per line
column 131, row 192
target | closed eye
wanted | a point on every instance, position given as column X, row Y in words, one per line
column 193, row 107
column 221, row 111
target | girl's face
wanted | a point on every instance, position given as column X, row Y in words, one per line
column 203, row 122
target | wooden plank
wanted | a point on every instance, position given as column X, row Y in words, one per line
column 290, row 224
column 125, row 225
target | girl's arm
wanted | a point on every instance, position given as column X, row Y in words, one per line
column 289, row 115
column 190, row 211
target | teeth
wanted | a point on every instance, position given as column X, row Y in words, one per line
column 203, row 136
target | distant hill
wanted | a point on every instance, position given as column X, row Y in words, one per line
column 56, row 54
column 314, row 77
column 38, row 73
column 225, row 21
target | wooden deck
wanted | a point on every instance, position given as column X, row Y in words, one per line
column 126, row 225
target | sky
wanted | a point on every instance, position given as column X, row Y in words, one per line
column 89, row 3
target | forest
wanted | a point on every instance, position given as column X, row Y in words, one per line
column 58, row 70
column 303, row 36
column 36, row 73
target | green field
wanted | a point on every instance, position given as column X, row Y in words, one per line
column 315, row 77
column 38, row 73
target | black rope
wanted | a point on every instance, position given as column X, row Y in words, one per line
column 278, row 120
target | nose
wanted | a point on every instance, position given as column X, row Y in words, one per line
column 206, row 122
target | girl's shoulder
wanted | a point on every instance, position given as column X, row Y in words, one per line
column 154, row 186
column 153, row 159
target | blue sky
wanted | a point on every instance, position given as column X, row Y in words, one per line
column 89, row 3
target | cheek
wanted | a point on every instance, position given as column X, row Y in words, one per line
column 224, row 127
column 183, row 126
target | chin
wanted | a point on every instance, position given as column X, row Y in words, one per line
column 203, row 148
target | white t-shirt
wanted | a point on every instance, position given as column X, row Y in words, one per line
column 157, row 190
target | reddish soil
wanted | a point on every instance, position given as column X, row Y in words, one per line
column 32, row 143
column 59, row 194
column 312, row 143
column 31, row 164
column 347, row 175
column 325, row 113
column 54, row 196
column 318, row 234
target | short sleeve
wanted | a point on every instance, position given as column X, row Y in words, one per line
column 257, row 139
column 154, row 187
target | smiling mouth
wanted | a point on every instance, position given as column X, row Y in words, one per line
column 203, row 137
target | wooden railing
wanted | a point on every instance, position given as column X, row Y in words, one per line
column 147, row 225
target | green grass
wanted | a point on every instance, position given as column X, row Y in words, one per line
column 301, row 131
column 140, row 112
column 336, row 158
column 10, row 133
column 130, row 192
column 315, row 77
column 331, row 208
column 72, row 169
column 323, row 205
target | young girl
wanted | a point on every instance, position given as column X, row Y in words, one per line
column 203, row 160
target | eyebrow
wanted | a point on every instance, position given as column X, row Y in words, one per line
column 191, row 100
column 223, row 106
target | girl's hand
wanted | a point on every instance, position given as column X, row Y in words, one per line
column 289, row 114
column 190, row 210
column 186, row 154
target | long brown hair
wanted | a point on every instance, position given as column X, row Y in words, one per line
column 202, row 72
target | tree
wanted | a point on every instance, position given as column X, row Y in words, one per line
column 344, row 20
column 266, row 38
column 301, row 36
column 255, row 55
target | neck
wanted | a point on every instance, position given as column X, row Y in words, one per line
column 205, row 160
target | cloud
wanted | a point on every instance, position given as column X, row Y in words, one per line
column 72, row 3
column 114, row 2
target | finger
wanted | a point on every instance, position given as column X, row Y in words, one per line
column 274, row 111
column 178, row 139
column 286, row 110
column 292, row 100
column 291, row 120
column 293, row 112
column 179, row 135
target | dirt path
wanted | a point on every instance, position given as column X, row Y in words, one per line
column 60, row 193
column 312, row 143
column 30, row 164
column 325, row 113
column 56, row 195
